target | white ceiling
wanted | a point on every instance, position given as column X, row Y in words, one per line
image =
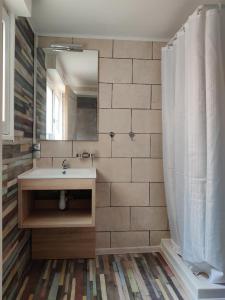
column 129, row 19
column 20, row 8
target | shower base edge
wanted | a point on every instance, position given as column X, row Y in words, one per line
column 197, row 289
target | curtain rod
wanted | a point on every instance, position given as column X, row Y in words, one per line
column 199, row 9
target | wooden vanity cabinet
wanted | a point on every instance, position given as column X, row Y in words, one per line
column 55, row 233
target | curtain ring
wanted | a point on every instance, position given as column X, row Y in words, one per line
column 199, row 9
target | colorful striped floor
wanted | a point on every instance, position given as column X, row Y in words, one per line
column 113, row 277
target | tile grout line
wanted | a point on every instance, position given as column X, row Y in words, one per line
column 132, row 74
column 149, row 194
column 151, row 98
column 131, row 168
column 130, row 227
column 150, row 141
column 72, row 149
column 110, row 194
column 112, row 88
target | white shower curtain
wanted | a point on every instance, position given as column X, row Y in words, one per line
column 193, row 104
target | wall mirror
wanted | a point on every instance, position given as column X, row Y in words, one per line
column 66, row 93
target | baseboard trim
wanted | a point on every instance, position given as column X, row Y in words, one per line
column 196, row 289
column 144, row 249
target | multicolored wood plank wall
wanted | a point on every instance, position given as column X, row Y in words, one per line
column 109, row 277
column 41, row 95
column 17, row 158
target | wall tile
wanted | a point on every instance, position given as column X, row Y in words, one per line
column 156, row 146
column 156, row 97
column 129, row 239
column 123, row 146
column 102, row 194
column 131, row 96
column 156, row 236
column 112, row 218
column 116, row 120
column 147, row 121
column 148, row 218
column 147, row 71
column 103, row 45
column 147, row 170
column 157, row 49
column 56, row 149
column 138, row 160
column 101, row 148
column 157, row 194
column 102, row 240
column 44, row 162
column 130, row 194
column 113, row 169
column 105, row 95
column 115, row 70
column 73, row 162
column 132, row 49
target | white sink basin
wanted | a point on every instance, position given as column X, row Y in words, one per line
column 59, row 173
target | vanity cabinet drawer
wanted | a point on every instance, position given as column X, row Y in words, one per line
column 66, row 243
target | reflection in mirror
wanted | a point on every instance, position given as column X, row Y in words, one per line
column 66, row 96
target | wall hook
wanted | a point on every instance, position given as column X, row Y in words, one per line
column 131, row 135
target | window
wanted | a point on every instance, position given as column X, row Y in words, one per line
column 8, row 36
column 57, row 116
column 49, row 113
column 54, row 114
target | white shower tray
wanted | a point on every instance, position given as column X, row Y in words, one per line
column 196, row 288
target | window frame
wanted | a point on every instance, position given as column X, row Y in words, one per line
column 56, row 96
column 49, row 92
column 8, row 126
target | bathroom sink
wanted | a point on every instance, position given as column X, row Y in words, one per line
column 84, row 173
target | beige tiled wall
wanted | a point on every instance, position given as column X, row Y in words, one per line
column 130, row 192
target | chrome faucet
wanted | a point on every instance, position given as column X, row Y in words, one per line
column 65, row 164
